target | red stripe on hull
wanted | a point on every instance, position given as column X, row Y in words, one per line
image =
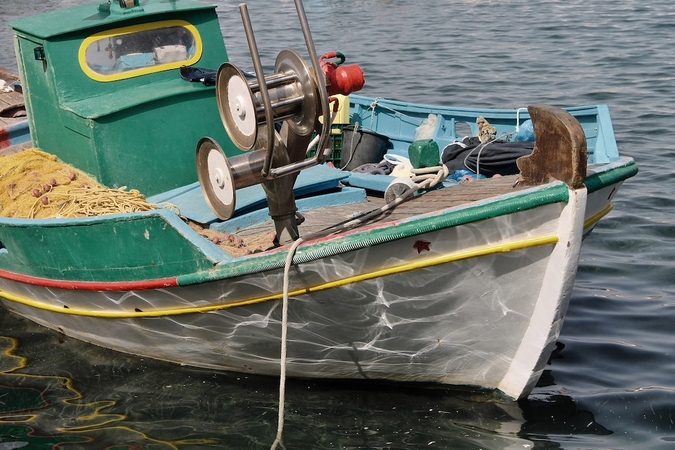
column 91, row 285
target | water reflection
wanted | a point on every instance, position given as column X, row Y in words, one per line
column 62, row 393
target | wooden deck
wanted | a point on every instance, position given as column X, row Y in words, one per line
column 320, row 219
column 12, row 109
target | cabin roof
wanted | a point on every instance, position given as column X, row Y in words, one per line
column 81, row 17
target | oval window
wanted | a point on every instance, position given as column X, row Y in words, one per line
column 140, row 49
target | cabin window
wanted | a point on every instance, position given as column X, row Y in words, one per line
column 138, row 50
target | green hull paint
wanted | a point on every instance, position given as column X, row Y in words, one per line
column 114, row 248
column 118, row 130
column 152, row 245
column 158, row 244
column 600, row 180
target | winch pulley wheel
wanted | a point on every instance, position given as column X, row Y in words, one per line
column 292, row 97
column 295, row 95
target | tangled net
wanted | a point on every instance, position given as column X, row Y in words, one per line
column 35, row 184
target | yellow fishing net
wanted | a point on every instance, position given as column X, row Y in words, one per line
column 35, row 184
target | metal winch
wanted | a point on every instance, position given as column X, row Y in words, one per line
column 274, row 118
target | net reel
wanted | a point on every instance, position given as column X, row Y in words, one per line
column 292, row 93
column 293, row 98
column 272, row 118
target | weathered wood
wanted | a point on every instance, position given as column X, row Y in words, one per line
column 435, row 200
column 560, row 149
column 12, row 105
column 8, row 75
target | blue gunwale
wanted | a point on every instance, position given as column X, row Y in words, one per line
column 398, row 120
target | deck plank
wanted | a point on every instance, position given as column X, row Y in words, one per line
column 435, row 200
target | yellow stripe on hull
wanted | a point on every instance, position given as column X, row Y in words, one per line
column 416, row 265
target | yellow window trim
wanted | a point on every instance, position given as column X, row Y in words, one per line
column 81, row 56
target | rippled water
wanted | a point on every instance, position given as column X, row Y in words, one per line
column 611, row 385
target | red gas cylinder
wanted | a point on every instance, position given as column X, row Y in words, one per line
column 341, row 79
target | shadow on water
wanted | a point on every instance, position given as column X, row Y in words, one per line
column 57, row 392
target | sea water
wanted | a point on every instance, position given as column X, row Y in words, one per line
column 611, row 384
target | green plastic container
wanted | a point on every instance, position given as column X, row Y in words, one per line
column 424, row 153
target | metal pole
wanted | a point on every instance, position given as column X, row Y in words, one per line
column 264, row 94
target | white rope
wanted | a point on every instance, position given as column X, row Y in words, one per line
column 423, row 178
column 428, row 177
column 480, row 148
column 375, row 104
column 284, row 334
column 372, row 107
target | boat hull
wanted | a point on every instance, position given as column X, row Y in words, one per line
column 479, row 304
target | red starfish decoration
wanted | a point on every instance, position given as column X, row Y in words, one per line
column 421, row 245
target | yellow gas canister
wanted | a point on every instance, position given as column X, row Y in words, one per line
column 342, row 117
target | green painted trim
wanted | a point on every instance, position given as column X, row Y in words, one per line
column 520, row 201
column 114, row 248
column 627, row 168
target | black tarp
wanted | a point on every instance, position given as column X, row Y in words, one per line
column 488, row 159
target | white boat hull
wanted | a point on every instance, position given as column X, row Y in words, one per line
column 479, row 304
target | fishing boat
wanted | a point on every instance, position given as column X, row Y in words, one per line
column 281, row 223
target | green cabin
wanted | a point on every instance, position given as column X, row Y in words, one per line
column 104, row 93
